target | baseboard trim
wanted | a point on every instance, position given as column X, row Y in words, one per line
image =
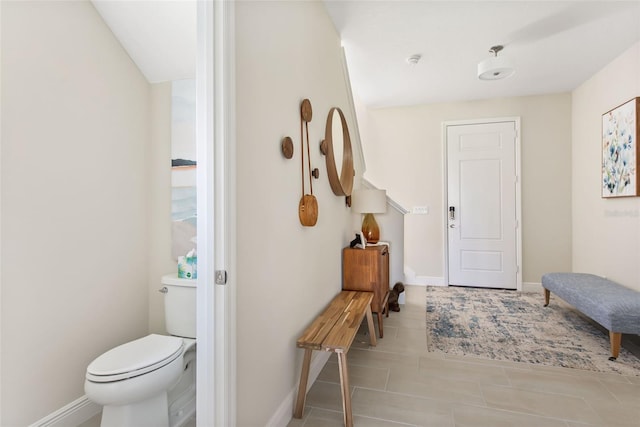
column 531, row 287
column 73, row 414
column 439, row 281
column 284, row 413
column 424, row 281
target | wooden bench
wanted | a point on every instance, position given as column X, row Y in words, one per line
column 334, row 330
column 612, row 305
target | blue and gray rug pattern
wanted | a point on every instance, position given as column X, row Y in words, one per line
column 514, row 326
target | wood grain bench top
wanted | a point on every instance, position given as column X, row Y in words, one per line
column 335, row 328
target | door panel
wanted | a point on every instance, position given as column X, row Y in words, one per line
column 481, row 260
column 479, row 211
column 481, row 190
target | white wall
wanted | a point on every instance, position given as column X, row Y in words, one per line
column 287, row 273
column 75, row 175
column 606, row 232
column 403, row 152
column 161, row 261
column 391, row 225
column 392, row 231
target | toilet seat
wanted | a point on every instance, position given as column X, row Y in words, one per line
column 135, row 358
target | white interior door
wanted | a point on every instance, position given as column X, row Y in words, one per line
column 215, row 121
column 482, row 204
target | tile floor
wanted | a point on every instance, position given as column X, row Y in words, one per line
column 399, row 383
column 95, row 422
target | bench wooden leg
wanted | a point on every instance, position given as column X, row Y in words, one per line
column 302, row 388
column 372, row 329
column 385, row 303
column 346, row 391
column 615, row 338
column 380, row 317
column 547, row 295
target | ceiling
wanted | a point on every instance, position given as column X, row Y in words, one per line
column 159, row 35
column 555, row 45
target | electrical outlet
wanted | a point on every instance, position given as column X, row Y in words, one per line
column 420, row 210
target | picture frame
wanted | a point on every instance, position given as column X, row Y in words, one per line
column 363, row 239
column 620, row 133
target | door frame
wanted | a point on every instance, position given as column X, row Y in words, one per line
column 215, row 142
column 445, row 180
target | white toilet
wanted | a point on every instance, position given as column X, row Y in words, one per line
column 151, row 381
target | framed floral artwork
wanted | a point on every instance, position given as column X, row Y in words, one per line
column 620, row 150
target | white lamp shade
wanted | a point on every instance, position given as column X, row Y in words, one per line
column 495, row 68
column 369, row 201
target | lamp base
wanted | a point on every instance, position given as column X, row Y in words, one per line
column 370, row 228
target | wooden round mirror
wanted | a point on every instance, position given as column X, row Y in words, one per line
column 337, row 149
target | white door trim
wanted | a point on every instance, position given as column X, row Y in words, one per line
column 516, row 121
column 215, row 136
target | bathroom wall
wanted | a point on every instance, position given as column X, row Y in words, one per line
column 159, row 249
column 75, row 177
column 285, row 52
column 403, row 152
column 606, row 232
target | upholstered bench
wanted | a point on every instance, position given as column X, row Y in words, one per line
column 612, row 305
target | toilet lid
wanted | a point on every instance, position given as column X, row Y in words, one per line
column 135, row 358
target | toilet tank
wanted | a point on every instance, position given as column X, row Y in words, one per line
column 179, row 305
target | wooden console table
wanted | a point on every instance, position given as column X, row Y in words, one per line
column 368, row 270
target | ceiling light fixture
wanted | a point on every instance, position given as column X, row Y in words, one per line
column 495, row 68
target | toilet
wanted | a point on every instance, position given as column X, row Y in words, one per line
column 151, row 381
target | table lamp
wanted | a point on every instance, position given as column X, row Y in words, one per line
column 369, row 202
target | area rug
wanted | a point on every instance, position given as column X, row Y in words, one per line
column 515, row 326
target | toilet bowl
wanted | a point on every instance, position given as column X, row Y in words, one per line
column 150, row 381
